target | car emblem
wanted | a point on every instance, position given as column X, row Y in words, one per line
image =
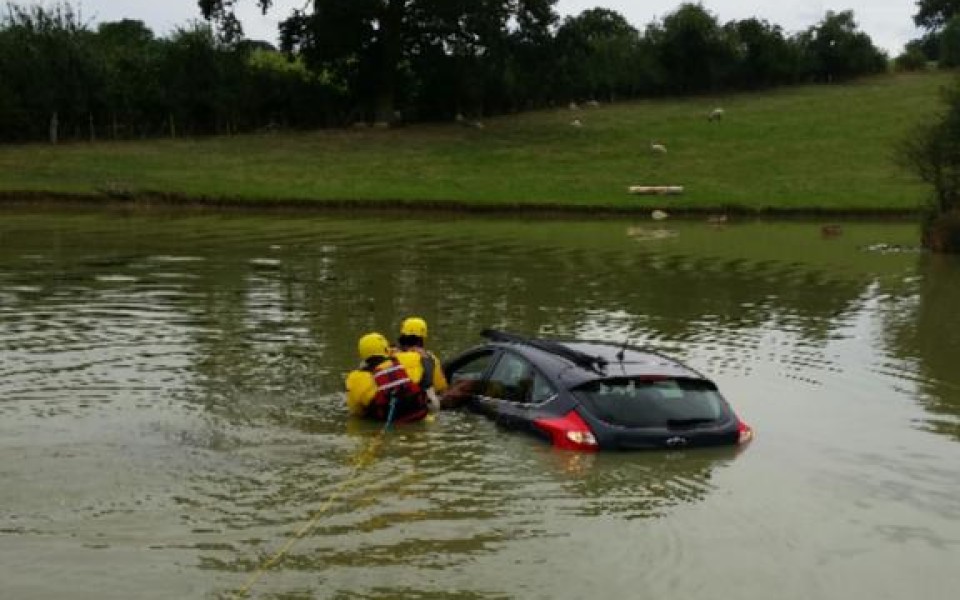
column 677, row 441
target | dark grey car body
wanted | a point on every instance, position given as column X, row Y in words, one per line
column 523, row 384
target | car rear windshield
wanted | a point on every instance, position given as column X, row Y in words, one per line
column 670, row 403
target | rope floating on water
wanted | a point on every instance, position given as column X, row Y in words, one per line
column 364, row 459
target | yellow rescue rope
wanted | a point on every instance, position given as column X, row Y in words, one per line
column 362, row 460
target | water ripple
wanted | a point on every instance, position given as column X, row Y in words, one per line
column 170, row 394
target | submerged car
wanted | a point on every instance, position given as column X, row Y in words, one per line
column 589, row 395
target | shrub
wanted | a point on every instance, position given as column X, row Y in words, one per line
column 932, row 152
column 950, row 44
column 941, row 233
column 913, row 59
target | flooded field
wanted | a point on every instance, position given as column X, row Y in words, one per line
column 170, row 410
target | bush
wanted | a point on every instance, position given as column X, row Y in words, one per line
column 932, row 152
column 912, row 60
column 950, row 44
column 941, row 233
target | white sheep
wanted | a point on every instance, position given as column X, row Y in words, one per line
column 715, row 115
column 465, row 122
column 576, row 124
column 657, row 148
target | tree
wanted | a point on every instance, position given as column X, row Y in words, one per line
column 765, row 56
column 933, row 15
column 597, row 52
column 283, row 93
column 928, row 45
column 932, row 152
column 200, row 76
column 222, row 13
column 912, row 59
column 128, row 52
column 694, row 51
column 524, row 73
column 51, row 67
column 834, row 49
column 950, row 43
column 369, row 44
column 358, row 42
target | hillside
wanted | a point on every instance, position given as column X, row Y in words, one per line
column 804, row 148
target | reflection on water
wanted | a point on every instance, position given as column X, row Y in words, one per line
column 929, row 338
column 631, row 486
column 169, row 407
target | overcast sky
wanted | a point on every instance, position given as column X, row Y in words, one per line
column 888, row 22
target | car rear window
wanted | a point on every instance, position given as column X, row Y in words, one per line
column 670, row 403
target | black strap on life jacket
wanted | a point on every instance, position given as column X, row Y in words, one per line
column 429, row 363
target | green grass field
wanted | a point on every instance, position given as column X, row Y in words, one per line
column 808, row 148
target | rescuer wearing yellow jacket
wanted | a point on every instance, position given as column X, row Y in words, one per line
column 429, row 372
column 386, row 387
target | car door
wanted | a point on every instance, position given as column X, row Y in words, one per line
column 513, row 392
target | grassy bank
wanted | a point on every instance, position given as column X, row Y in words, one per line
column 807, row 149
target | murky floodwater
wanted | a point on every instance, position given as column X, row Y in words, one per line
column 170, row 412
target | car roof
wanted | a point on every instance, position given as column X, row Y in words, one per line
column 597, row 360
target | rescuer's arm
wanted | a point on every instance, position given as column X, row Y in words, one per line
column 459, row 393
column 439, row 379
column 361, row 390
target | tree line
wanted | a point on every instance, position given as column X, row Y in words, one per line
column 940, row 44
column 386, row 61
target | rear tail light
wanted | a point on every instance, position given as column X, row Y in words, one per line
column 582, row 438
column 744, row 432
column 569, row 432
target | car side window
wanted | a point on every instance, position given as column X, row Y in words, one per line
column 471, row 371
column 514, row 379
column 542, row 390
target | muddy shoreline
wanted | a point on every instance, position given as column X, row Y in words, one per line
column 147, row 201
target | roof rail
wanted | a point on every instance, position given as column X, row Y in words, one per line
column 581, row 359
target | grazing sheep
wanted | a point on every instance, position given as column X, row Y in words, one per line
column 574, row 106
column 715, row 115
column 465, row 122
column 657, row 148
column 576, row 124
column 592, row 103
column 658, row 215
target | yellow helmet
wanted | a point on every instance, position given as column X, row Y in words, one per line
column 373, row 344
column 414, row 326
